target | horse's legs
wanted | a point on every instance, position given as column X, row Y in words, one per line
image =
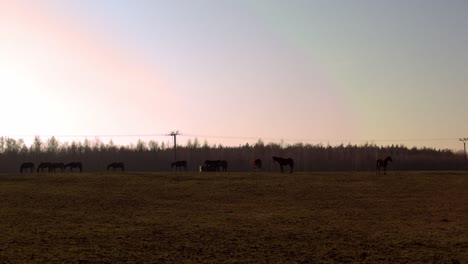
column 282, row 170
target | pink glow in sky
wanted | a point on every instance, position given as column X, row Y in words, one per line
column 58, row 78
column 311, row 71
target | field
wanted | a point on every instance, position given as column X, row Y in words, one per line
column 403, row 217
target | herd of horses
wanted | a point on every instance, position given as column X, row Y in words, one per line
column 221, row 165
column 208, row 165
column 51, row 166
column 61, row 167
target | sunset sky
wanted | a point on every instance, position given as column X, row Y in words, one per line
column 231, row 72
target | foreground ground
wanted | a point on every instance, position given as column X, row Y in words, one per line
column 235, row 217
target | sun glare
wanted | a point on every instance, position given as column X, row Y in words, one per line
column 26, row 106
column 58, row 79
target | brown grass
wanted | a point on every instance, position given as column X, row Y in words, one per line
column 404, row 217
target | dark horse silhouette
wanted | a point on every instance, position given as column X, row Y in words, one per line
column 116, row 165
column 73, row 165
column 45, row 165
column 256, row 163
column 382, row 163
column 59, row 166
column 179, row 164
column 208, row 167
column 215, row 165
column 284, row 162
column 27, row 165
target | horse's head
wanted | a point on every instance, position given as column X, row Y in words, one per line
column 274, row 159
column 389, row 159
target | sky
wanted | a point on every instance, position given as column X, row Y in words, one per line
column 232, row 72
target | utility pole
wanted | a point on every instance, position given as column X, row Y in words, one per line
column 464, row 144
column 175, row 134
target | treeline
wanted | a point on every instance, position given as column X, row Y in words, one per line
column 156, row 156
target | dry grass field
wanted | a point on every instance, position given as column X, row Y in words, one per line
column 403, row 217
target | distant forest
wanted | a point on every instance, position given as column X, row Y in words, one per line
column 155, row 156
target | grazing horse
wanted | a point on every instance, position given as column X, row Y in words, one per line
column 223, row 164
column 382, row 163
column 202, row 168
column 215, row 165
column 27, row 165
column 179, row 164
column 116, row 165
column 208, row 167
column 72, row 165
column 284, row 162
column 45, row 165
column 59, row 166
column 256, row 164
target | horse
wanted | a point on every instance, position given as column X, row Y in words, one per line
column 72, row 165
column 179, row 164
column 45, row 165
column 382, row 163
column 223, row 164
column 215, row 165
column 208, row 167
column 116, row 165
column 256, row 163
column 211, row 165
column 204, row 167
column 59, row 166
column 284, row 162
column 27, row 165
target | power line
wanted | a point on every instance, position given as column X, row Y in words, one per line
column 320, row 139
column 88, row 135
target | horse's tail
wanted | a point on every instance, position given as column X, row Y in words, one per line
column 378, row 163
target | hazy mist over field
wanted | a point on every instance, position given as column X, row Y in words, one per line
column 387, row 72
